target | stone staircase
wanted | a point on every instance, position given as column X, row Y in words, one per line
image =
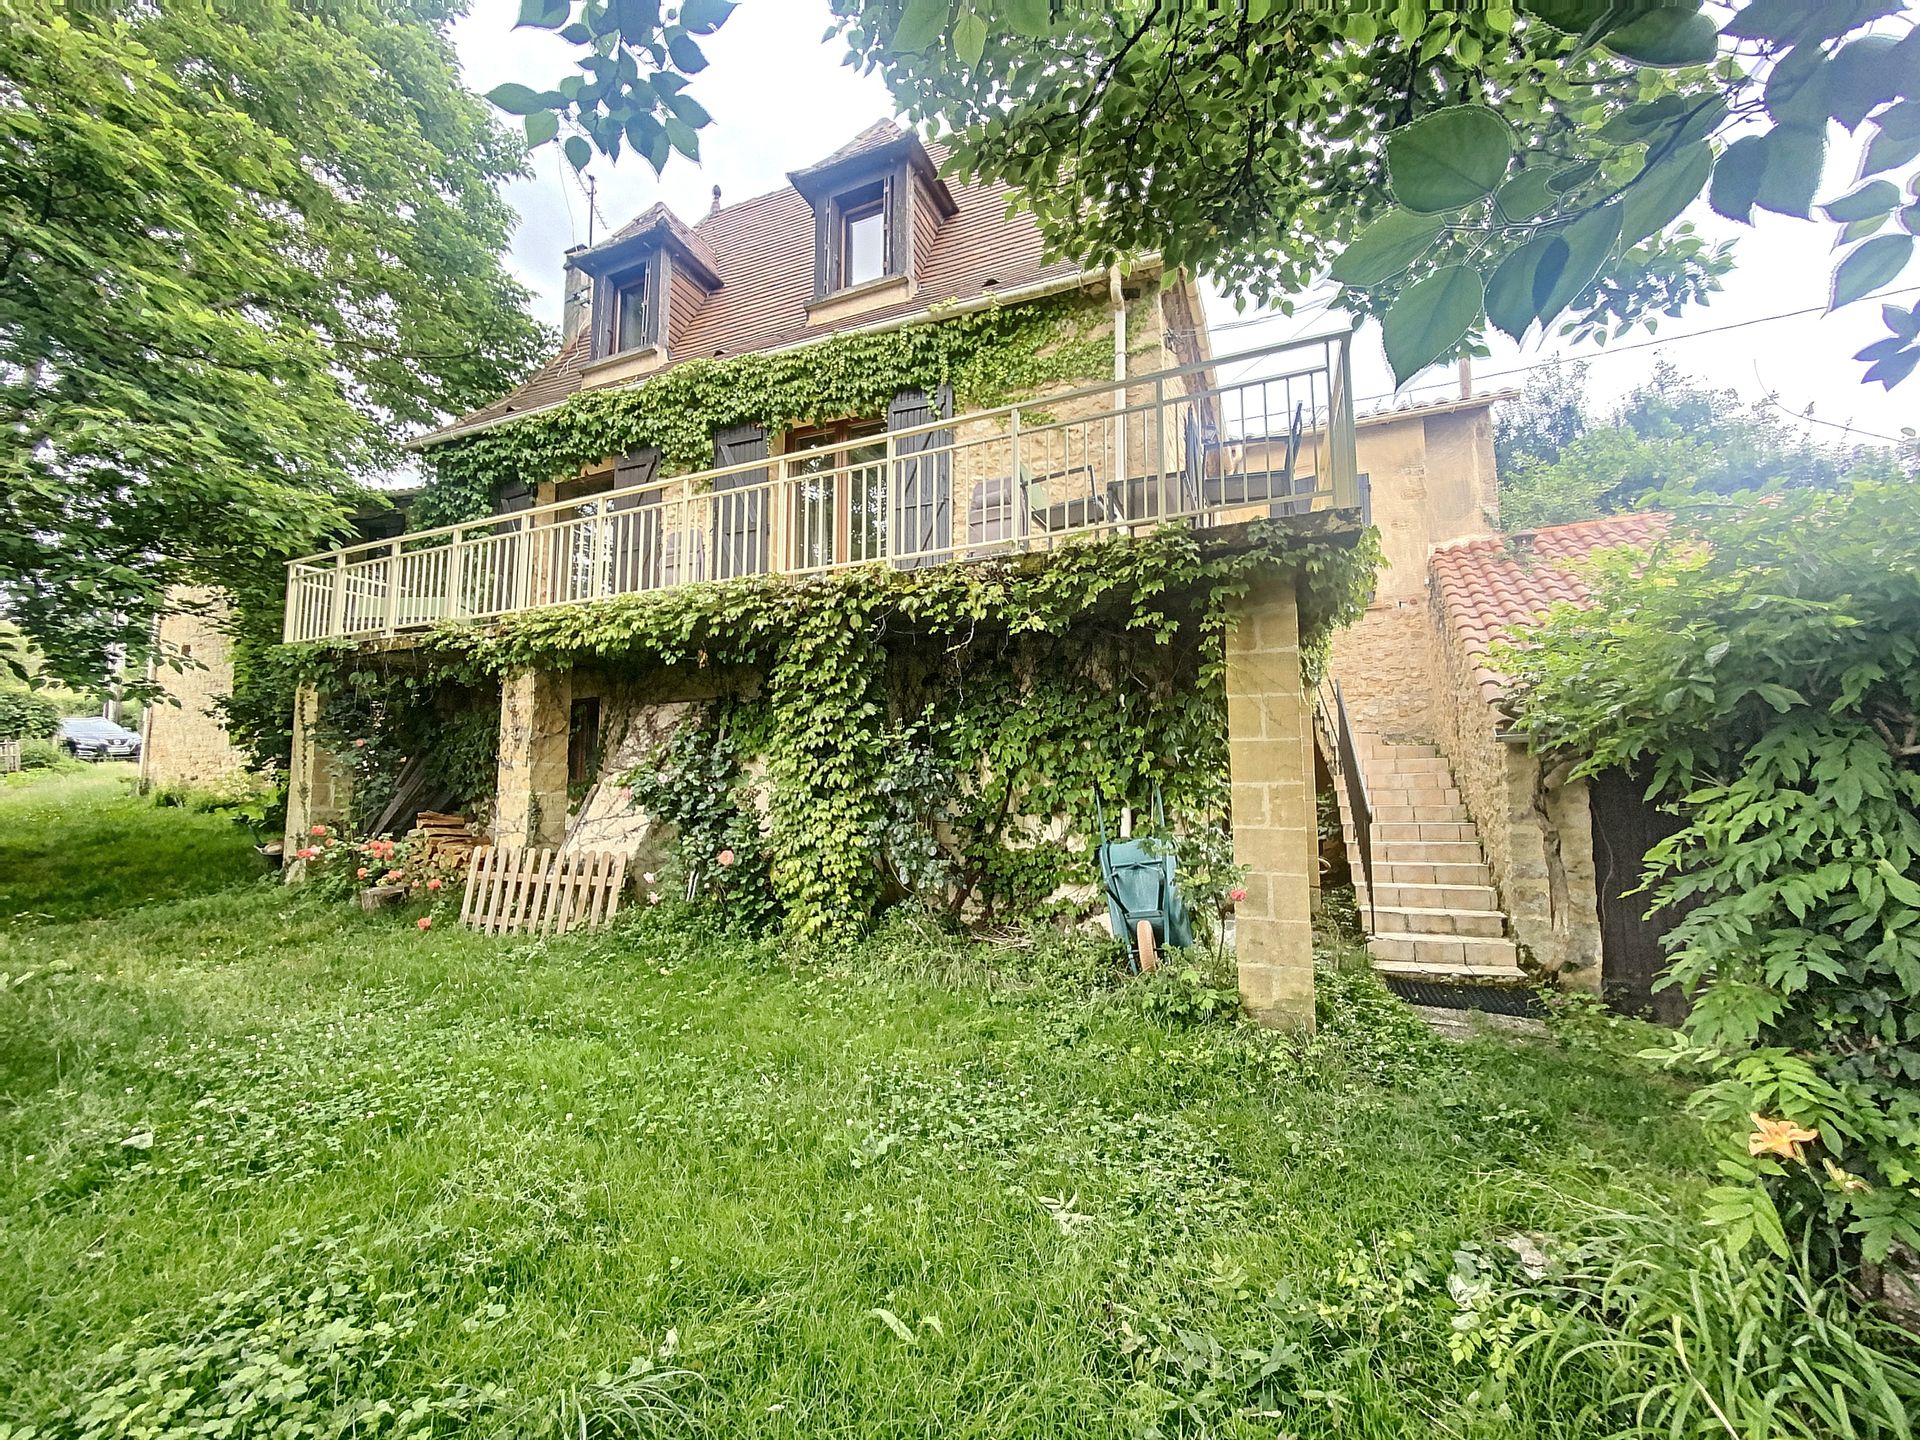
column 1436, row 917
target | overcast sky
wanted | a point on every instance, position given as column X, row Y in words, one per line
column 780, row 99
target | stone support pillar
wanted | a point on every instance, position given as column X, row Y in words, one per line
column 1273, row 805
column 319, row 785
column 531, row 807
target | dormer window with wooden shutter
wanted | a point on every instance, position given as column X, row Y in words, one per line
column 876, row 203
column 649, row 281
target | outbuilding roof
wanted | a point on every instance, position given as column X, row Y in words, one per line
column 1490, row 584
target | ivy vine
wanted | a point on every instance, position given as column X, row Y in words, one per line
column 990, row 357
column 1033, row 683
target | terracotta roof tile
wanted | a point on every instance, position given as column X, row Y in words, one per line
column 1488, row 585
column 762, row 249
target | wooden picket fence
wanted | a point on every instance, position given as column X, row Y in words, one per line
column 9, row 756
column 541, row 892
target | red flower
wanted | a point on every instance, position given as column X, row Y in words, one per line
column 725, row 857
column 434, row 884
column 318, row 830
column 359, row 744
column 1237, row 894
column 425, row 922
column 361, row 873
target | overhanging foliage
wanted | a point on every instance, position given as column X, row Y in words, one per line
column 1764, row 668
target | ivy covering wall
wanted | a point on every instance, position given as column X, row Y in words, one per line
column 990, row 357
column 920, row 728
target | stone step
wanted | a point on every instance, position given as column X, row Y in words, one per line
column 1390, row 831
column 1483, row 953
column 1409, row 872
column 1445, row 974
column 1414, row 814
column 1378, row 795
column 1414, row 920
column 1387, row 755
column 1426, row 852
column 1410, row 765
column 1432, row 897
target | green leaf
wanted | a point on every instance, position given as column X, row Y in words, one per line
column 689, row 110
column 1448, row 159
column 1667, row 38
column 516, row 99
column 1589, row 240
column 686, row 56
column 639, row 20
column 1869, row 266
column 894, row 1323
column 542, row 126
column 1527, row 194
column 545, row 14
column 1736, row 178
column 703, row 17
column 1796, row 155
column 579, row 152
column 1787, row 21
column 1510, row 293
column 1876, row 197
column 1889, row 149
column 1866, row 74
column 1656, row 200
column 681, row 137
column 1430, row 318
column 921, row 25
column 1035, row 17
column 970, row 37
column 1385, row 248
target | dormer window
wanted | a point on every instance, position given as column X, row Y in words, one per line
column 862, row 248
column 631, row 330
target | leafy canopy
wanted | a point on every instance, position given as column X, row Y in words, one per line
column 242, row 247
column 1459, row 169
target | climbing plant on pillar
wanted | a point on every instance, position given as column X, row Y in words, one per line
column 827, row 695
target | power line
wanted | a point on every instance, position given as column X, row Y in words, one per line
column 1652, row 343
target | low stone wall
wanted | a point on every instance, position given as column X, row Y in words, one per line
column 1535, row 829
column 186, row 742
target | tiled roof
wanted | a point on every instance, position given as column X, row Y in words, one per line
column 1488, row 585
column 762, row 250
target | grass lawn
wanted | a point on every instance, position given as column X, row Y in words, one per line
column 272, row 1169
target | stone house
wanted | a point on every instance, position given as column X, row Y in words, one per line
column 871, row 371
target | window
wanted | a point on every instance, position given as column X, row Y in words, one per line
column 839, row 493
column 630, row 331
column 863, row 235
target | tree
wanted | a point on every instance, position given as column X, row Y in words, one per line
column 1762, row 667
column 1557, row 463
column 1459, row 169
column 245, row 247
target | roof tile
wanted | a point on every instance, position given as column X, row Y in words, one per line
column 1489, row 585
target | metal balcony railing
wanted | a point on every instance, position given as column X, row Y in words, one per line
column 1265, row 432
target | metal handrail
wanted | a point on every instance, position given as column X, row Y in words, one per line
column 1059, row 465
column 1354, row 781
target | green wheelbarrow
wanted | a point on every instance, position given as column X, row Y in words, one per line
column 1143, row 898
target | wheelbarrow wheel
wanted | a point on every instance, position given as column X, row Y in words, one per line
column 1148, row 947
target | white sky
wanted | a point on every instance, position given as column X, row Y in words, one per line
column 781, row 99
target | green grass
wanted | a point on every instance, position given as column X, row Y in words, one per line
column 890, row 1193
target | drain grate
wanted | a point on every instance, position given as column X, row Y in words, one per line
column 1488, row 999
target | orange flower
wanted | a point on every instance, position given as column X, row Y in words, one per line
column 434, row 883
column 361, row 873
column 425, row 922
column 1779, row 1137
column 318, row 830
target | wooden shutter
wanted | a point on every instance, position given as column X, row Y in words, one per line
column 740, row 521
column 636, row 523
column 923, row 487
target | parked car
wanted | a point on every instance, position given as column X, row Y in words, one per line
column 86, row 738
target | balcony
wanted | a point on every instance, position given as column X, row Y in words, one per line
column 1262, row 433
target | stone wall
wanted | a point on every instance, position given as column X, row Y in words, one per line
column 1535, row 828
column 1384, row 665
column 186, row 742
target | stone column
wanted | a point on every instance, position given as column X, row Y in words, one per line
column 319, row 786
column 1273, row 818
column 531, row 807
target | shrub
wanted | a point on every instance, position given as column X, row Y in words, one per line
column 43, row 755
column 1764, row 667
column 28, row 715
